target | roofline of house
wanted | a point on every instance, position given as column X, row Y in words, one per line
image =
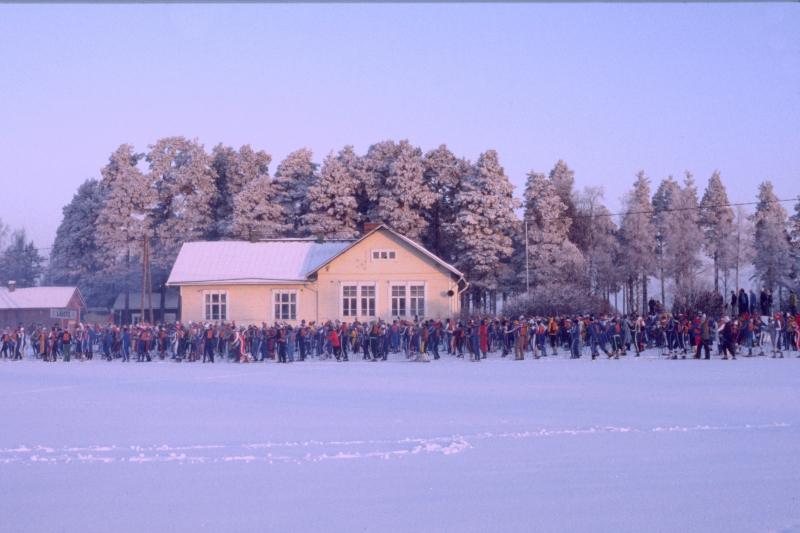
column 81, row 301
column 243, row 281
column 448, row 266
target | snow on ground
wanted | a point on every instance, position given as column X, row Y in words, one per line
column 549, row 445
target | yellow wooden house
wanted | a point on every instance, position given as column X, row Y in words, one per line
column 381, row 275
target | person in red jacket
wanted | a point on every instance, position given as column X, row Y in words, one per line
column 333, row 337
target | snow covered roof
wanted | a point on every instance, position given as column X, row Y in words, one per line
column 38, row 298
column 448, row 266
column 135, row 300
column 243, row 262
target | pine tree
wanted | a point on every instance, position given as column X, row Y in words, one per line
column 486, row 223
column 377, row 168
column 130, row 199
column 683, row 239
column 637, row 236
column 75, row 258
column 552, row 258
column 794, row 237
column 716, row 219
column 3, row 233
column 563, row 179
column 333, row 207
column 596, row 238
column 773, row 255
column 183, row 175
column 662, row 202
column 293, row 178
column 256, row 211
column 20, row 262
column 442, row 175
column 235, row 170
column 405, row 195
column 395, row 189
column 609, row 275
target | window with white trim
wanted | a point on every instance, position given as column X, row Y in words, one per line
column 285, row 304
column 384, row 254
column 367, row 300
column 398, row 300
column 349, row 300
column 215, row 305
column 417, row 303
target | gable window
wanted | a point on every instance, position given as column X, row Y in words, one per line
column 417, row 300
column 367, row 300
column 215, row 305
column 384, row 254
column 398, row 300
column 349, row 300
column 285, row 304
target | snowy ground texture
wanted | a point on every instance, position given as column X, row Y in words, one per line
column 550, row 445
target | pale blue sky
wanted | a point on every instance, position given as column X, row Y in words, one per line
column 611, row 89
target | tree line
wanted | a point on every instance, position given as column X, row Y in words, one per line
column 568, row 249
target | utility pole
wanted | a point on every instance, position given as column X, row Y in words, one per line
column 144, row 275
column 527, row 267
column 149, row 277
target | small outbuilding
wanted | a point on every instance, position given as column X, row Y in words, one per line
column 165, row 307
column 48, row 306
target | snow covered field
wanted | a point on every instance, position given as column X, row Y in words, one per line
column 549, row 445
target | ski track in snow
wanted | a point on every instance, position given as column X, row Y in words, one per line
column 310, row 450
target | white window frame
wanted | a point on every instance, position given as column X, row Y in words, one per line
column 361, row 311
column 407, row 285
column 354, row 312
column 272, row 303
column 227, row 304
column 411, row 311
column 381, row 251
column 392, row 297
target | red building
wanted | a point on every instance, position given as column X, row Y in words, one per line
column 47, row 306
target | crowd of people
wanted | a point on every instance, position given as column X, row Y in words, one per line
column 744, row 332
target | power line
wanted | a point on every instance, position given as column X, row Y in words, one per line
column 572, row 217
column 654, row 210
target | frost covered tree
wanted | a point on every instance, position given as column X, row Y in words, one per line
column 662, row 202
column 293, row 178
column 3, row 233
column 740, row 250
column 637, row 236
column 396, row 188
column 552, row 257
column 563, row 180
column 596, row 238
column 20, row 261
column 183, row 175
column 683, row 239
column 256, row 211
column 75, row 258
column 485, row 222
column 443, row 173
column 235, row 170
column 608, row 275
column 130, row 199
column 333, row 207
column 772, row 261
column 794, row 237
column 716, row 220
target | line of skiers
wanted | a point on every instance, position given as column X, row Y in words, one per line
column 417, row 340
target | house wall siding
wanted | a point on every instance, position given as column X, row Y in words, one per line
column 321, row 299
column 247, row 304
